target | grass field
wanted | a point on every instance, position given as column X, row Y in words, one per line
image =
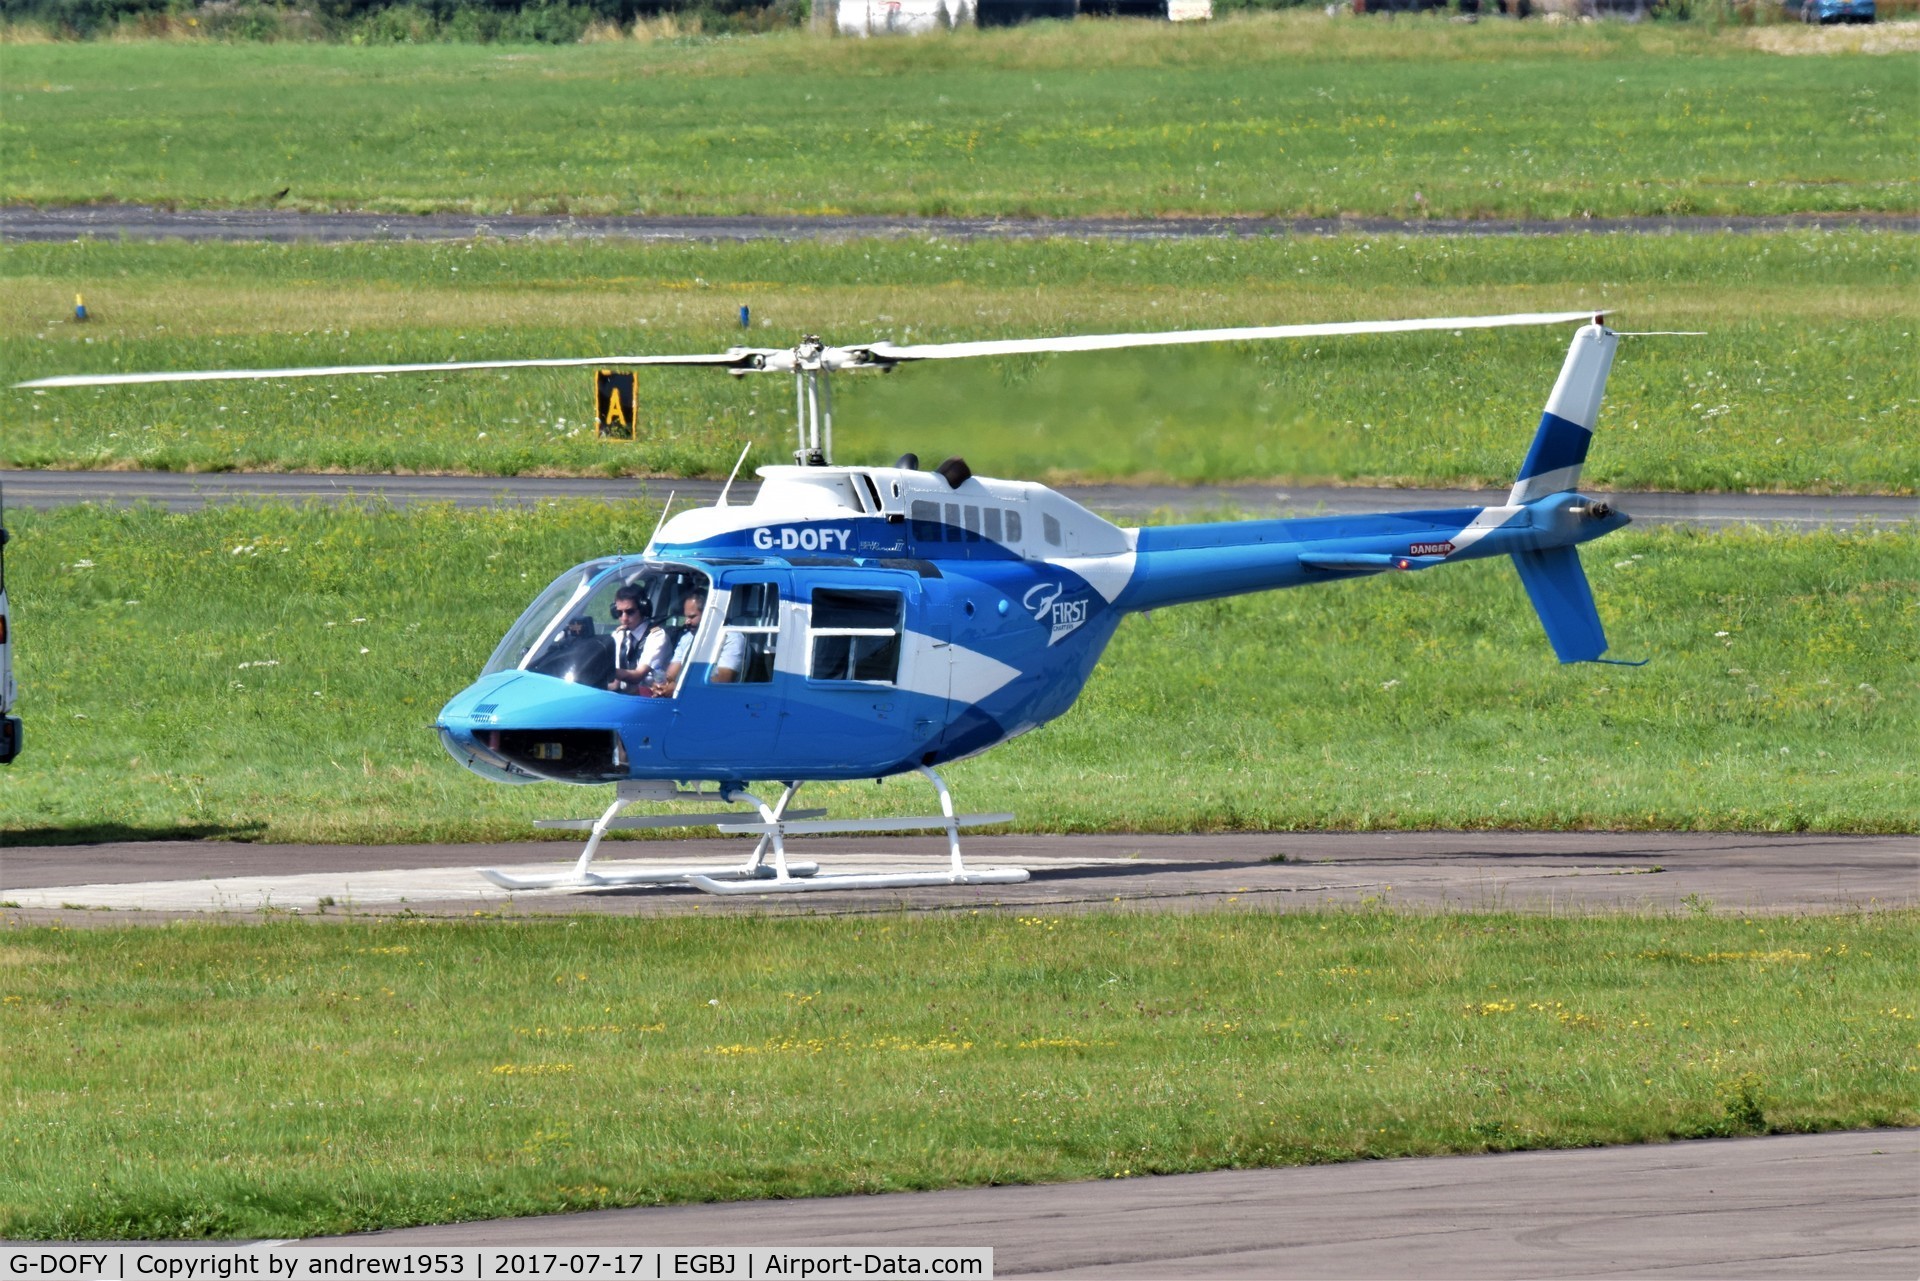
column 301, row 1079
column 270, row 674
column 1284, row 114
column 1804, row 380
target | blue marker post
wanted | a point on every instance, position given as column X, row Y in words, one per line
column 79, row 307
column 746, row 318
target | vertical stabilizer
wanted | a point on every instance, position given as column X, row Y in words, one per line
column 1557, row 586
column 1566, row 428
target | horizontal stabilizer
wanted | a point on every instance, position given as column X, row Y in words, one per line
column 1558, row 588
column 1366, row 562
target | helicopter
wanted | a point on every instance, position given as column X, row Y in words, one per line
column 856, row 622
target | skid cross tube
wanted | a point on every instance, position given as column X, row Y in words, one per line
column 583, row 875
column 775, row 827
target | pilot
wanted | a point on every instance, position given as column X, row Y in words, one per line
column 639, row 651
column 733, row 649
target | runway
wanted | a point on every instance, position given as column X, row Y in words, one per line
column 179, row 491
column 1564, row 872
column 1824, row 1205
column 141, row 222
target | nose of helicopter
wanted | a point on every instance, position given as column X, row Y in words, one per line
column 467, row 719
column 526, row 726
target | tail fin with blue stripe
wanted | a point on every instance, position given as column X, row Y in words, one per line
column 1555, row 581
column 1566, row 428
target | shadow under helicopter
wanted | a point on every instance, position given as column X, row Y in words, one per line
column 1114, row 871
column 113, row 833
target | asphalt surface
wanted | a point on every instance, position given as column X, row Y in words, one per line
column 1824, row 1205
column 182, row 492
column 141, row 222
column 131, row 882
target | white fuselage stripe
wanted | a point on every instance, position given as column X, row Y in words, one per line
column 1485, row 523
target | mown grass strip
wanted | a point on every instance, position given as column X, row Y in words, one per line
column 1280, row 114
column 299, row 1079
column 1802, row 382
column 270, row 673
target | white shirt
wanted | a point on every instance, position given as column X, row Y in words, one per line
column 733, row 651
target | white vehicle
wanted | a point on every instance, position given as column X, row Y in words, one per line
column 9, row 724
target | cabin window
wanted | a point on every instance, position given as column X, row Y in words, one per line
column 956, row 522
column 1050, row 530
column 855, row 636
column 1013, row 527
column 751, row 636
column 992, row 515
column 580, row 634
column 926, row 521
column 973, row 524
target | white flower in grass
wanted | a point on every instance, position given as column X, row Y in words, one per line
column 1390, row 684
column 81, row 564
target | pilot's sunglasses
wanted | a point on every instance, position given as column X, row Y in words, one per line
column 618, row 610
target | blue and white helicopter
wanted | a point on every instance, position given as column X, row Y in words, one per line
column 857, row 622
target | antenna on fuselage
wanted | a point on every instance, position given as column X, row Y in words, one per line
column 663, row 517
column 722, row 500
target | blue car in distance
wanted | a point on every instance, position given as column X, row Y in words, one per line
column 1831, row 10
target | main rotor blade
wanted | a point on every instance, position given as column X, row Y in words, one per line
column 738, row 357
column 887, row 352
column 784, row 360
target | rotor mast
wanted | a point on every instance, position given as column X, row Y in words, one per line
column 812, row 404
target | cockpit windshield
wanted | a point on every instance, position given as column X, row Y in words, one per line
column 570, row 630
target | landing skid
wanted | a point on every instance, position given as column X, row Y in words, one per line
column 584, row 877
column 645, row 876
column 757, row 875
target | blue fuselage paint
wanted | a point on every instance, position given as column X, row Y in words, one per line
column 994, row 640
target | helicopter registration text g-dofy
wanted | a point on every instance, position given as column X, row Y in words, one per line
column 857, row 622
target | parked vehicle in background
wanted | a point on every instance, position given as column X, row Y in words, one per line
column 9, row 724
column 917, row 17
column 1830, row 10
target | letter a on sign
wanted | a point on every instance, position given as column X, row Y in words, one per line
column 613, row 403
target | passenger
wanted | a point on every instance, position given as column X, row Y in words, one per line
column 638, row 650
column 733, row 649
